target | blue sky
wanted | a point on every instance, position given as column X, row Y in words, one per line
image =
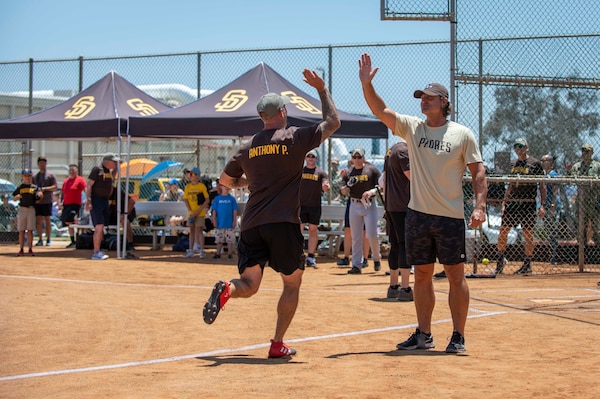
column 43, row 29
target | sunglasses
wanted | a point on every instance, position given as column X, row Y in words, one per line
column 357, row 157
column 310, row 156
column 585, row 150
column 518, row 146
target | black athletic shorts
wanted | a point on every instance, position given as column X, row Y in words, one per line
column 429, row 237
column 279, row 244
column 70, row 213
column 520, row 213
column 395, row 229
column 310, row 214
column 43, row 209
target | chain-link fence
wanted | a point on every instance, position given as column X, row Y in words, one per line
column 515, row 76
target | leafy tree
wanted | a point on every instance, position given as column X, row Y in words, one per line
column 552, row 120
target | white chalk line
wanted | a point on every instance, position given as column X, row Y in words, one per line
column 225, row 351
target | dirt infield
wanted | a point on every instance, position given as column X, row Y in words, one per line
column 72, row 327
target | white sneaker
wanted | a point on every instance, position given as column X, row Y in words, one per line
column 99, row 256
column 189, row 253
column 196, row 249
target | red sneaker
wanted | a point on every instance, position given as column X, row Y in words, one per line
column 218, row 298
column 21, row 253
column 31, row 252
column 279, row 349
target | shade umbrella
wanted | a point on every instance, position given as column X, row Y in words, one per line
column 159, row 169
column 138, row 166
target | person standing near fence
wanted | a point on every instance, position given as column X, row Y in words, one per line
column 98, row 191
column 270, row 164
column 588, row 197
column 72, row 188
column 435, row 226
column 195, row 197
column 314, row 182
column 519, row 205
column 396, row 185
column 47, row 184
column 27, row 193
column 224, row 214
column 553, row 207
column 360, row 184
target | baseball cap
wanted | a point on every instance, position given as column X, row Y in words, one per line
column 173, row 181
column 26, row 172
column 521, row 141
column 111, row 157
column 271, row 103
column 42, row 158
column 432, row 89
column 313, row 153
column 587, row 147
column 335, row 161
column 195, row 171
column 360, row 150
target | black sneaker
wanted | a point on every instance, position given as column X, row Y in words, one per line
column 417, row 340
column 392, row 292
column 406, row 295
column 343, row 262
column 377, row 265
column 457, row 343
column 354, row 270
column 525, row 270
column 365, row 263
column 216, row 256
column 441, row 274
column 72, row 245
column 500, row 265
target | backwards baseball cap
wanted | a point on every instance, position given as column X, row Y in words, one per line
column 587, row 147
column 432, row 89
column 313, row 153
column 26, row 172
column 521, row 141
column 359, row 150
column 42, row 158
column 270, row 104
column 111, row 157
column 195, row 171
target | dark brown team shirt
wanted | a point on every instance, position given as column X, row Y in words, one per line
column 103, row 182
column 312, row 186
column 397, row 185
column 367, row 179
column 272, row 161
column 527, row 167
column 28, row 194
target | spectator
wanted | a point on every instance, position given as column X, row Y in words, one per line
column 72, row 188
column 588, row 197
column 439, row 150
column 552, row 205
column 46, row 181
column 27, row 193
column 360, row 183
column 98, row 192
column 314, row 182
column 224, row 217
column 270, row 164
column 195, row 197
column 519, row 205
column 396, row 185
column 335, row 182
column 173, row 193
column 8, row 215
column 128, row 213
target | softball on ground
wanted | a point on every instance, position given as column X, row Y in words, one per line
column 485, row 261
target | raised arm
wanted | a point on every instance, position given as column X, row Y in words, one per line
column 331, row 121
column 374, row 101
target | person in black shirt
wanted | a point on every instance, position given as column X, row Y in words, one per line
column 27, row 194
column 270, row 164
